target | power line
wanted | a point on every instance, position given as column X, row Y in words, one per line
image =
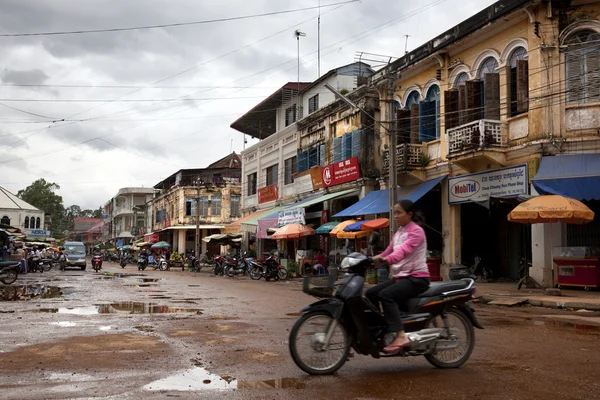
column 209, row 21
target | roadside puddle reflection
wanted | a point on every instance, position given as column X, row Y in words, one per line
column 283, row 383
column 120, row 308
column 196, row 378
column 28, row 292
column 579, row 328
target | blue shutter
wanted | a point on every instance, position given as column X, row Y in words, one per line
column 322, row 154
column 347, row 146
column 313, row 157
column 427, row 120
column 356, row 143
column 337, row 150
column 302, row 161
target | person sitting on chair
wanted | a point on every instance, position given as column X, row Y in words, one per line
column 319, row 261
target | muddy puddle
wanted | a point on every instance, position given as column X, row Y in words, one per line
column 120, row 308
column 121, row 274
column 28, row 292
column 198, row 379
column 579, row 328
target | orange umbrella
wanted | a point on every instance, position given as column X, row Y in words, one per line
column 551, row 208
column 373, row 224
column 293, row 231
column 340, row 227
column 353, row 234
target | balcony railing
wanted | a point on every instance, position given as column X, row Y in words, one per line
column 476, row 135
column 412, row 156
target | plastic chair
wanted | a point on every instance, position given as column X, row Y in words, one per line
column 321, row 270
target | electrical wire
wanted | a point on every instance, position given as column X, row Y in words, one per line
column 209, row 21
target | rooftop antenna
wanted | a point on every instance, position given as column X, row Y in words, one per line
column 406, row 44
column 298, row 33
column 231, row 147
column 319, row 41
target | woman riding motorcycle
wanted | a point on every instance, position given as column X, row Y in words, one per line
column 407, row 257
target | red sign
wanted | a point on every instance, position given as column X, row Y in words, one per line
column 152, row 237
column 268, row 193
column 341, row 172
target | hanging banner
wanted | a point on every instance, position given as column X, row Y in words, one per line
column 316, row 174
column 341, row 172
column 293, row 216
column 268, row 193
column 512, row 181
column 303, row 184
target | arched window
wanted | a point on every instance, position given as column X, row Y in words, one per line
column 489, row 66
column 461, row 79
column 5, row 220
column 430, row 115
column 26, row 225
column 37, row 223
column 518, row 81
column 412, row 99
column 582, row 61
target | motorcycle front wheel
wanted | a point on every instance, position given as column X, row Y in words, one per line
column 11, row 276
column 461, row 332
column 307, row 344
column 230, row 271
column 255, row 274
column 47, row 267
column 282, row 274
column 163, row 267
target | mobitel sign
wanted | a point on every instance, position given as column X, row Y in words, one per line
column 497, row 183
column 341, row 172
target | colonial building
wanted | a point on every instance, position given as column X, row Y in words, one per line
column 479, row 108
column 20, row 214
column 124, row 216
column 212, row 194
column 296, row 135
column 87, row 231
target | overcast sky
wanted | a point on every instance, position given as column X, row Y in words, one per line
column 131, row 138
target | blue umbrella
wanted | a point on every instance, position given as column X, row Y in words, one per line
column 355, row 226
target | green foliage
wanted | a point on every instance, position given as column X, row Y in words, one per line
column 292, row 267
column 344, row 91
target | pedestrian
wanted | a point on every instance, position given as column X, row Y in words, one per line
column 21, row 253
column 407, row 257
column 318, row 261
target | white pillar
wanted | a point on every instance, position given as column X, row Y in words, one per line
column 202, row 242
column 181, row 233
column 544, row 237
column 452, row 234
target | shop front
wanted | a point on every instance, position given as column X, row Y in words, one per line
column 486, row 199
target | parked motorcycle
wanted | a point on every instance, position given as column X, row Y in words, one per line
column 97, row 262
column 219, row 266
column 269, row 269
column 34, row 264
column 123, row 262
column 9, row 271
column 236, row 266
column 439, row 322
column 160, row 263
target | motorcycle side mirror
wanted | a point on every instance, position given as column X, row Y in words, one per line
column 374, row 239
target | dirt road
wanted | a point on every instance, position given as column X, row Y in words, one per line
column 80, row 334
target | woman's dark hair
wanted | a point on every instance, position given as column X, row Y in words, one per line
column 409, row 207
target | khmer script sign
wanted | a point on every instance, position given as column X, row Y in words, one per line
column 505, row 182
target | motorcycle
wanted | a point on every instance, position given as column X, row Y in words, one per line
column 439, row 322
column 234, row 266
column 219, row 267
column 34, row 264
column 97, row 262
column 142, row 262
column 160, row 263
column 9, row 271
column 270, row 269
column 123, row 262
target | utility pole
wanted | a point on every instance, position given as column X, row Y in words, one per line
column 319, row 42
column 392, row 124
column 197, row 244
column 298, row 33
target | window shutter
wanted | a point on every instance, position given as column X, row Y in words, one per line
column 592, row 74
column 404, row 121
column 313, row 157
column 492, row 96
column 356, row 143
column 522, row 86
column 473, row 106
column 575, row 73
column 322, row 154
column 347, row 146
column 427, row 120
column 302, row 161
column 337, row 149
column 414, row 124
column 462, row 104
column 451, row 116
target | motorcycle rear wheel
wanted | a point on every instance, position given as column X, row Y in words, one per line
column 255, row 274
column 230, row 271
column 47, row 267
column 163, row 267
column 306, row 341
column 11, row 276
column 454, row 358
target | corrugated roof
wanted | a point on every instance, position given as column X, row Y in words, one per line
column 9, row 201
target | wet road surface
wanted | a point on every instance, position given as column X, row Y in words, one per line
column 123, row 335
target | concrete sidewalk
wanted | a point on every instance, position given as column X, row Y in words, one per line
column 507, row 294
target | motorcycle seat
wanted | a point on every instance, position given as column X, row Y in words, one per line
column 4, row 264
column 437, row 288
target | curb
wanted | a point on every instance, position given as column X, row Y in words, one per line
column 545, row 303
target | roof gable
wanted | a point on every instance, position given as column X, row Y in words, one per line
column 232, row 160
column 11, row 201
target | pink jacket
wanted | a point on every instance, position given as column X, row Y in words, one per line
column 407, row 252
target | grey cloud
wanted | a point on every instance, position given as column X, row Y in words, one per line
column 29, row 77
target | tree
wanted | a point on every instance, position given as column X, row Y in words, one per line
column 41, row 194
